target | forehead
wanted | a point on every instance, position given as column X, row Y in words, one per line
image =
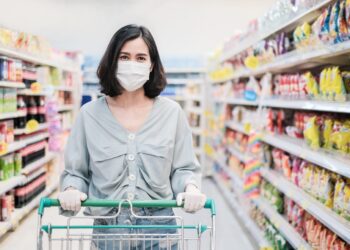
column 136, row 46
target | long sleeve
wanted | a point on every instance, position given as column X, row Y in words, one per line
column 76, row 172
column 185, row 167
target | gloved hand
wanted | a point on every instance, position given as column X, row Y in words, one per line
column 193, row 199
column 71, row 199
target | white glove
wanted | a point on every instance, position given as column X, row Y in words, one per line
column 192, row 199
column 71, row 199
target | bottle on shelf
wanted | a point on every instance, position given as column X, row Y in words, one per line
column 32, row 109
column 41, row 110
column 20, row 122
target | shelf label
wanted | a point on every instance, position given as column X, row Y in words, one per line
column 32, row 126
column 3, row 148
column 36, row 88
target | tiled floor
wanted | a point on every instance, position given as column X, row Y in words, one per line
column 230, row 235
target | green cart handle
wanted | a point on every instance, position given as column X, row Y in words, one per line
column 47, row 202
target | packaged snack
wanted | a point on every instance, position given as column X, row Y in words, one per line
column 325, row 28
column 340, row 137
column 342, row 25
column 312, row 133
column 339, row 195
column 346, row 211
column 334, row 29
column 286, row 166
column 326, row 188
column 310, row 86
column 337, row 91
column 295, row 170
column 326, row 134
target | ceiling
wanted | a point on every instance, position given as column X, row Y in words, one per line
column 182, row 28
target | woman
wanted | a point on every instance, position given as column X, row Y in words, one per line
column 131, row 144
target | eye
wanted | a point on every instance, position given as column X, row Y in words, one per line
column 141, row 59
column 123, row 58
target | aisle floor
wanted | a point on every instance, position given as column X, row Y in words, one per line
column 230, row 235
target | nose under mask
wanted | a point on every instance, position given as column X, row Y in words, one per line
column 132, row 75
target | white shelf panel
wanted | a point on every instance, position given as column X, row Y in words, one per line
column 5, row 116
column 38, row 164
column 327, row 106
column 237, row 127
column 306, row 16
column 238, row 101
column 37, row 60
column 195, row 110
column 8, row 84
column 242, row 156
column 197, row 131
column 330, row 219
column 176, row 98
column 244, row 217
column 64, row 108
column 11, row 183
column 64, row 88
column 28, row 92
column 235, row 178
column 282, row 225
column 20, row 213
column 194, row 98
column 185, row 70
column 331, row 161
column 24, row 131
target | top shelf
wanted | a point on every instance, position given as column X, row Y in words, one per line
column 38, row 60
column 305, row 16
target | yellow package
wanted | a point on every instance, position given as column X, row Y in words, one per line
column 327, row 132
column 312, row 133
column 323, row 78
column 315, row 182
column 311, row 85
column 340, row 138
column 346, row 211
column 338, row 91
column 328, row 84
column 326, row 188
column 339, row 196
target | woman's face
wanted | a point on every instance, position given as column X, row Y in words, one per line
column 135, row 50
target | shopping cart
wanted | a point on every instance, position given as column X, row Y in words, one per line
column 79, row 236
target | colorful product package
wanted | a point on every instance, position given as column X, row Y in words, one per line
column 339, row 195
column 312, row 133
column 327, row 133
column 342, row 25
column 326, row 188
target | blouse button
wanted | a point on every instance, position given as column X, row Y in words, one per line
column 131, row 157
column 131, row 137
column 131, row 196
column 132, row 177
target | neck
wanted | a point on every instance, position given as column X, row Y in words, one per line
column 131, row 99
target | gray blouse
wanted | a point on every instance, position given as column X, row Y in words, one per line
column 106, row 161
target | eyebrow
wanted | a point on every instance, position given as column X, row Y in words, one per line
column 139, row 54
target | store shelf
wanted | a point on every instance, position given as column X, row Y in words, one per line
column 331, row 161
column 20, row 213
column 326, row 106
column 29, row 92
column 195, row 110
column 194, row 98
column 237, row 127
column 330, row 219
column 176, row 98
column 242, row 214
column 306, row 16
column 65, row 108
column 6, row 116
column 241, row 101
column 37, row 164
column 222, row 80
column 37, row 59
column 11, row 183
column 197, row 130
column 8, row 84
column 24, row 131
column 35, row 174
column 242, row 156
column 235, row 178
column 64, row 88
column 282, row 225
column 185, row 70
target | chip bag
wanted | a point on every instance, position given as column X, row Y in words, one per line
column 339, row 195
column 312, row 133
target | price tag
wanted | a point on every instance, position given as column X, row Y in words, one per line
column 247, row 127
column 36, row 88
column 32, row 126
column 3, row 148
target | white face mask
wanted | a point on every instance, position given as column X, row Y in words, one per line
column 132, row 75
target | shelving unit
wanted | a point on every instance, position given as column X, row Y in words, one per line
column 282, row 225
column 20, row 213
column 329, row 218
column 228, row 71
column 186, row 86
column 69, row 69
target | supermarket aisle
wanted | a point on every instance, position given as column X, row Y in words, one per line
column 229, row 232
